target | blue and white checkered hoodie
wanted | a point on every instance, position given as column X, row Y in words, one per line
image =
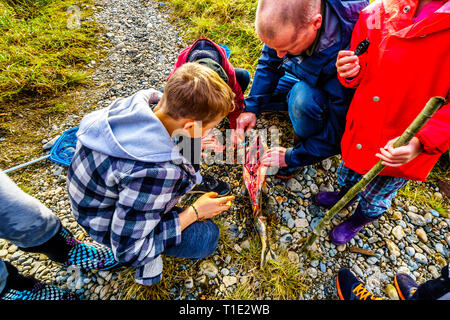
column 124, row 181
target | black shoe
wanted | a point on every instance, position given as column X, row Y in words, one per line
column 288, row 172
column 211, row 184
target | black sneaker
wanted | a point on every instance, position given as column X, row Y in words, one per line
column 288, row 172
column 211, row 184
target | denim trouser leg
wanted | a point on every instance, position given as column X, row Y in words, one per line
column 307, row 109
column 306, row 105
column 198, row 241
column 24, row 220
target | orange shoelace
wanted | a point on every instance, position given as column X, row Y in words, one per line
column 362, row 293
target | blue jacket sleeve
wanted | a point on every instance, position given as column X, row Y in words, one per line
column 268, row 72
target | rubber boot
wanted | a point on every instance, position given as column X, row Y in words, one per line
column 344, row 232
column 329, row 199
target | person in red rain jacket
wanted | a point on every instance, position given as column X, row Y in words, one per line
column 407, row 63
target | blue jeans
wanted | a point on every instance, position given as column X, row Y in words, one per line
column 199, row 240
column 307, row 106
column 24, row 220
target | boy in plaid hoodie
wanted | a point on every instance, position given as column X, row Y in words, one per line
column 127, row 174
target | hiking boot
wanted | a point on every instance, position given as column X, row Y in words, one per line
column 405, row 285
column 344, row 232
column 329, row 199
column 350, row 288
column 211, row 184
column 288, row 172
column 19, row 287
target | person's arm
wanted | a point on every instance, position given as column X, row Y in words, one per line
column 268, row 72
column 351, row 68
column 433, row 138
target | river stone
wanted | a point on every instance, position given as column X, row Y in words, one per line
column 391, row 292
column 416, row 219
column 209, row 268
column 392, row 247
column 422, row 235
column 293, row 256
column 294, row 185
column 301, row 223
column 229, row 280
column 398, row 232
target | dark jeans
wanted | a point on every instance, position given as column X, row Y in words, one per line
column 199, row 240
column 307, row 106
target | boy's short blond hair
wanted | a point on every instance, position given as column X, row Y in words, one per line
column 197, row 92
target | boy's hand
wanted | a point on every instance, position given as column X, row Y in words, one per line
column 211, row 142
column 395, row 157
column 347, row 64
column 245, row 122
column 208, row 205
column 274, row 157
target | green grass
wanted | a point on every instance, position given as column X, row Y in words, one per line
column 39, row 54
column 229, row 22
column 421, row 196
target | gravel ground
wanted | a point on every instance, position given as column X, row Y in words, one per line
column 144, row 47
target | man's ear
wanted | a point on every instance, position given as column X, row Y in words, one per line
column 317, row 21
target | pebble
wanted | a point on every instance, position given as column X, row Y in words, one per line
column 416, row 219
column 294, row 185
column 326, row 164
column 420, row 258
column 229, row 280
column 410, row 251
column 441, row 249
column 312, row 272
column 293, row 257
column 225, row 271
column 398, row 232
column 209, row 268
column 189, row 283
column 286, row 238
column 422, row 235
column 391, row 292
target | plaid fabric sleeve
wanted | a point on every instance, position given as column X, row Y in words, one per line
column 141, row 226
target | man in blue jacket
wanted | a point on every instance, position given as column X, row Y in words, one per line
column 296, row 72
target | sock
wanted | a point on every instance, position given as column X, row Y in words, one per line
column 17, row 281
column 56, row 248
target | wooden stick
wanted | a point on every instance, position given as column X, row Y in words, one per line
column 430, row 108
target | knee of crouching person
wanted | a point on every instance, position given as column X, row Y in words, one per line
column 211, row 238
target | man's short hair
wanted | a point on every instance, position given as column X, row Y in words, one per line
column 297, row 13
column 196, row 92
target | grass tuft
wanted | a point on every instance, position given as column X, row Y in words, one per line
column 39, row 53
column 229, row 22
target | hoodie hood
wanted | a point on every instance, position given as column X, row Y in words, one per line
column 129, row 129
